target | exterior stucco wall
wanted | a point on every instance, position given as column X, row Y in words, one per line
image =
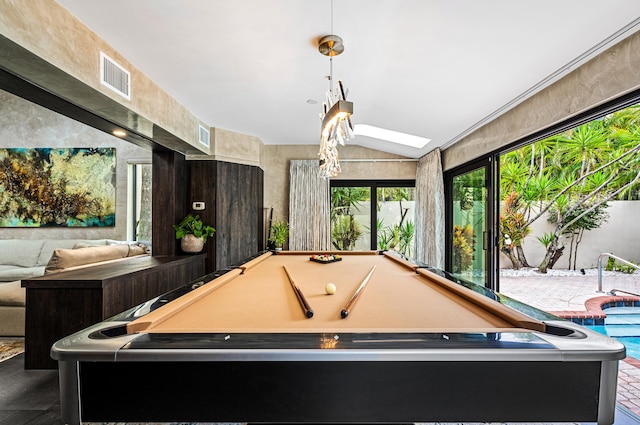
column 618, row 236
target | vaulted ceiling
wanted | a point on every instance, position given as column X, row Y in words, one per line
column 432, row 68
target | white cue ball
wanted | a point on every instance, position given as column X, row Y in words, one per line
column 330, row 288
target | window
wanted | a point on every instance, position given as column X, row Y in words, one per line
column 385, row 206
column 139, row 202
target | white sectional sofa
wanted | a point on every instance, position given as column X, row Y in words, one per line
column 23, row 259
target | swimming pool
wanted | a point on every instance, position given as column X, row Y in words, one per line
column 623, row 324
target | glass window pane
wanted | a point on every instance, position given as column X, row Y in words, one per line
column 142, row 202
column 469, row 211
column 394, row 224
column 350, row 218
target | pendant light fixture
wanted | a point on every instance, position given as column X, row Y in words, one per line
column 336, row 111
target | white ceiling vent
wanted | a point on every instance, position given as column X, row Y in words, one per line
column 203, row 136
column 114, row 76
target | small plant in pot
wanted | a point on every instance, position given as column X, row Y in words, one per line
column 193, row 233
column 279, row 234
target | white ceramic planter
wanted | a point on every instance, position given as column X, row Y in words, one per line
column 191, row 244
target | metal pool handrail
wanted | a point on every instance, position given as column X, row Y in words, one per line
column 606, row 254
column 613, row 292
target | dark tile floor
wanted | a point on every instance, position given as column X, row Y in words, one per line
column 28, row 396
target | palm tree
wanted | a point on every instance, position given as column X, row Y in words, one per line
column 571, row 176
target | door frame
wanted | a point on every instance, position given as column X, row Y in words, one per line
column 490, row 243
column 373, row 184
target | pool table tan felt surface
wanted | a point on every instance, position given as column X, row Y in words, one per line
column 258, row 297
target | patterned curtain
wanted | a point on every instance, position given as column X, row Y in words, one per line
column 309, row 207
column 429, row 212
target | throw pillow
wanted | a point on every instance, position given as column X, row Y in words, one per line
column 65, row 258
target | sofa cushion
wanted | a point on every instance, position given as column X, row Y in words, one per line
column 18, row 273
column 12, row 294
column 20, row 252
column 52, row 244
column 65, row 258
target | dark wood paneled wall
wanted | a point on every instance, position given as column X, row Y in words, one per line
column 170, row 182
column 233, row 195
column 238, row 212
column 203, row 188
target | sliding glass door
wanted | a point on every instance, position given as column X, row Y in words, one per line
column 470, row 222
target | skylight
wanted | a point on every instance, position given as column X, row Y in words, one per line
column 390, row 136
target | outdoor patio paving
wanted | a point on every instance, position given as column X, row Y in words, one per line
column 571, row 293
column 563, row 290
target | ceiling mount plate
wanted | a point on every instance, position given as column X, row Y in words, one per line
column 331, row 45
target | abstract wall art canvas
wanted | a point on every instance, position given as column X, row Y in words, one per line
column 64, row 187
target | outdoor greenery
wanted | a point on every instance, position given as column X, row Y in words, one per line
column 345, row 229
column 469, row 194
column 398, row 236
column 613, row 265
column 463, row 243
column 568, row 178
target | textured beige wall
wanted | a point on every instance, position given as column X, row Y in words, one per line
column 229, row 146
column 276, row 170
column 46, row 29
column 26, row 125
column 606, row 77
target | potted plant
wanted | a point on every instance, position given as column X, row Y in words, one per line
column 279, row 233
column 193, row 233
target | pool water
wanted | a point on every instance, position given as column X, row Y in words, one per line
column 623, row 324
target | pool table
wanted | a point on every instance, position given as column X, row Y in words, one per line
column 397, row 342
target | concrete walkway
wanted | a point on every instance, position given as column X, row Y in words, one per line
column 572, row 292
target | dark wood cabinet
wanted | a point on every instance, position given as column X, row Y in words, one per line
column 63, row 303
column 233, row 197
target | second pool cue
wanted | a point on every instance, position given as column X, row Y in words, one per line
column 347, row 308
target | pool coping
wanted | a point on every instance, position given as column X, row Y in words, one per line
column 594, row 314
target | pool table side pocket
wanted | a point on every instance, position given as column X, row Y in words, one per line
column 396, row 257
column 246, row 266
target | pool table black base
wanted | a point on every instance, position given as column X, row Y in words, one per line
column 341, row 391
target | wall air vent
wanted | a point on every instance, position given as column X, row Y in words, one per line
column 114, row 76
column 203, row 136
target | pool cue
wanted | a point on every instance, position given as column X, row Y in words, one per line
column 347, row 308
column 306, row 308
